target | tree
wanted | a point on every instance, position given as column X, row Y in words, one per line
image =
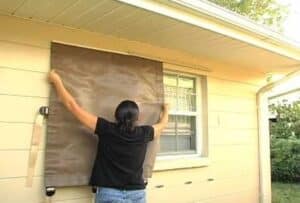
column 267, row 12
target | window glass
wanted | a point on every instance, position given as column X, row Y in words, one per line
column 180, row 134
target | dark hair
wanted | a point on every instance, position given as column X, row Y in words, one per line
column 126, row 115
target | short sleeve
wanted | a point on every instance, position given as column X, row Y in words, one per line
column 149, row 134
column 102, row 126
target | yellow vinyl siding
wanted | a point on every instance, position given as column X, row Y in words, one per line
column 19, row 135
column 13, row 191
column 233, row 136
column 14, row 163
column 200, row 190
column 233, row 146
column 11, row 83
column 23, row 56
column 228, row 103
column 20, row 109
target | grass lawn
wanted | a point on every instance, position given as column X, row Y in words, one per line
column 285, row 192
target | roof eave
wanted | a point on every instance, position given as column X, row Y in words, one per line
column 217, row 19
column 235, row 19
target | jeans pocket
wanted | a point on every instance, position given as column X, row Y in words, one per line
column 137, row 196
column 108, row 195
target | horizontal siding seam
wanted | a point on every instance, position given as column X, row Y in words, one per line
column 229, row 111
column 25, row 44
column 24, row 95
column 241, row 175
column 253, row 113
column 228, row 194
column 42, row 176
column 24, row 150
column 16, row 122
column 231, row 128
column 234, row 81
column 247, row 98
column 19, row 177
column 239, row 144
column 22, row 69
column 79, row 198
column 8, row 95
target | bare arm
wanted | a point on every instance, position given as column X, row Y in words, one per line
column 86, row 118
column 158, row 127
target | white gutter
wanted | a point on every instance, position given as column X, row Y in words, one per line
column 264, row 137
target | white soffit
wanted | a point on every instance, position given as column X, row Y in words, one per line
column 131, row 22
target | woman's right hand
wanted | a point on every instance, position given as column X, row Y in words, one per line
column 53, row 76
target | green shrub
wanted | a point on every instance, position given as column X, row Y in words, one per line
column 285, row 143
column 285, row 159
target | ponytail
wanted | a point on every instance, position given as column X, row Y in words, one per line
column 126, row 115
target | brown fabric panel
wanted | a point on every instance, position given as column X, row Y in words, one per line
column 99, row 81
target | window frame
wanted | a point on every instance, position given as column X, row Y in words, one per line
column 195, row 158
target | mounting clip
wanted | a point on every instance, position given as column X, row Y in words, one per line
column 44, row 110
column 50, row 191
column 94, row 189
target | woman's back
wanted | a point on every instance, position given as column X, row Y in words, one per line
column 120, row 156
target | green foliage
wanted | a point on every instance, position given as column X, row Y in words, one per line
column 285, row 142
column 285, row 159
column 267, row 12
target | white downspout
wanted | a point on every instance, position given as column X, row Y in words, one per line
column 264, row 138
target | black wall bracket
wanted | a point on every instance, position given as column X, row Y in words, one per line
column 50, row 191
column 44, row 110
column 94, row 189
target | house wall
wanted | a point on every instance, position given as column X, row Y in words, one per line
column 232, row 119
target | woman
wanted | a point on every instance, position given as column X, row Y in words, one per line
column 118, row 166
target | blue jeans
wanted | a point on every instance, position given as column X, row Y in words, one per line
column 112, row 195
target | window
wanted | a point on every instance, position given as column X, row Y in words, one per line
column 182, row 92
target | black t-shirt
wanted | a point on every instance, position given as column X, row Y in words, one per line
column 120, row 157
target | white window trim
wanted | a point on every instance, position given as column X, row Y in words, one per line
column 178, row 161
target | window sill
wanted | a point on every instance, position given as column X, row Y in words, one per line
column 180, row 162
